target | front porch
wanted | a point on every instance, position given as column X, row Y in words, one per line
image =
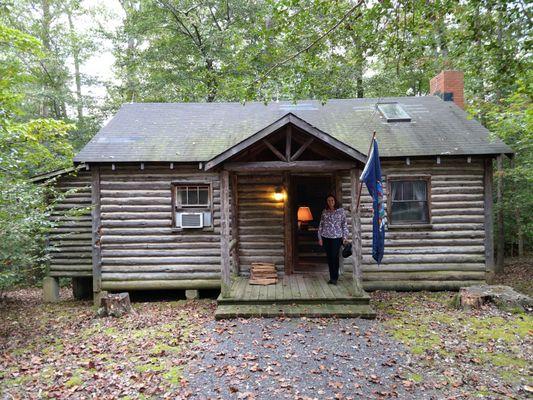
column 296, row 295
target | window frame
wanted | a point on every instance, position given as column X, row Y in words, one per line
column 178, row 207
column 408, row 178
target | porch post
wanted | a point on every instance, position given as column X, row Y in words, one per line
column 96, row 234
column 287, row 222
column 357, row 254
column 225, row 234
column 234, row 248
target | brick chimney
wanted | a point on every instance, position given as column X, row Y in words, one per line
column 449, row 86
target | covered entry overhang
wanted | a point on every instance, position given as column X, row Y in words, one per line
column 273, row 158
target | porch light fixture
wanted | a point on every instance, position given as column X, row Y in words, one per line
column 304, row 216
column 279, row 195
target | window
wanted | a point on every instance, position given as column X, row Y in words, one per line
column 192, row 196
column 393, row 112
column 409, row 200
column 192, row 206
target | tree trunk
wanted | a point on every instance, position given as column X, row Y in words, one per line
column 76, row 55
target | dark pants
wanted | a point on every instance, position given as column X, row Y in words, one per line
column 332, row 247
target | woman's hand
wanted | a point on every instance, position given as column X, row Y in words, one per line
column 345, row 241
column 320, row 243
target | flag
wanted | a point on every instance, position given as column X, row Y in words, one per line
column 371, row 176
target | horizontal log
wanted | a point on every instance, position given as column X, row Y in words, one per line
column 266, row 259
column 430, row 234
column 136, row 193
column 467, row 219
column 182, row 268
column 185, row 236
column 264, row 221
column 427, row 258
column 107, row 276
column 423, row 267
column 146, row 231
column 424, row 276
column 71, row 274
column 427, row 242
column 136, row 200
column 119, row 216
column 262, row 252
column 456, row 197
column 260, row 238
column 457, row 178
column 108, row 223
column 448, row 227
column 431, row 250
column 166, row 208
column 160, row 260
column 68, row 249
column 163, row 246
column 457, row 211
column 418, row 285
column 184, row 252
column 161, row 284
column 439, row 183
column 456, row 190
column 162, row 184
column 71, row 267
column 260, row 245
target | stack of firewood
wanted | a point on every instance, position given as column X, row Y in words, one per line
column 263, row 274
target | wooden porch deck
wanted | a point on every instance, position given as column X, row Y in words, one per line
column 295, row 295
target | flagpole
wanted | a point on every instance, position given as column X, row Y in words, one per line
column 361, row 183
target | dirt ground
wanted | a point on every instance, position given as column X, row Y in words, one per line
column 418, row 347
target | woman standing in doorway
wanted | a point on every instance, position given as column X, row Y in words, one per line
column 332, row 233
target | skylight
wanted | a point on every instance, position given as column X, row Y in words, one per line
column 393, row 112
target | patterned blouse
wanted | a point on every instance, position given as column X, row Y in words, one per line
column 333, row 224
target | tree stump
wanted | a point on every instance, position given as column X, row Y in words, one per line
column 115, row 305
column 502, row 296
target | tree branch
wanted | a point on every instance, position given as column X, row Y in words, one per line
column 313, row 43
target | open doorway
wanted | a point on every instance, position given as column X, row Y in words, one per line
column 309, row 198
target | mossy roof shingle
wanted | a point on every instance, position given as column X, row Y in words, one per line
column 186, row 132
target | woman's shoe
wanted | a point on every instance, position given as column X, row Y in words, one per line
column 332, row 282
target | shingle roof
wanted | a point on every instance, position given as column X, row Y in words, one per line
column 182, row 132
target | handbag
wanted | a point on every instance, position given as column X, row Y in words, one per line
column 347, row 251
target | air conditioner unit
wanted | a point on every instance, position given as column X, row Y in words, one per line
column 192, row 220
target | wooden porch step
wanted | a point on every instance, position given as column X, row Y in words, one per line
column 324, row 310
column 359, row 300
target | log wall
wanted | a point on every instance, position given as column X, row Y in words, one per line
column 70, row 240
column 140, row 248
column 447, row 253
column 260, row 221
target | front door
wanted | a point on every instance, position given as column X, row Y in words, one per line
column 309, row 194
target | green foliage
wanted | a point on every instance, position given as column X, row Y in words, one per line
column 511, row 120
column 27, row 147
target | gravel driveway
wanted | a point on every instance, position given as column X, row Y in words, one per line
column 300, row 359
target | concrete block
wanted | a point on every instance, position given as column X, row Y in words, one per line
column 97, row 298
column 192, row 294
column 50, row 289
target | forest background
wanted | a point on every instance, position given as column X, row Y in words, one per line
column 237, row 50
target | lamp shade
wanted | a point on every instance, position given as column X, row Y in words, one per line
column 304, row 214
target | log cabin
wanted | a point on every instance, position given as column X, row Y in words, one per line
column 189, row 195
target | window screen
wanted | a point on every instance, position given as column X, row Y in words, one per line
column 192, row 196
column 409, row 201
column 393, row 112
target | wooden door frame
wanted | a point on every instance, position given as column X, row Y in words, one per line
column 291, row 259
